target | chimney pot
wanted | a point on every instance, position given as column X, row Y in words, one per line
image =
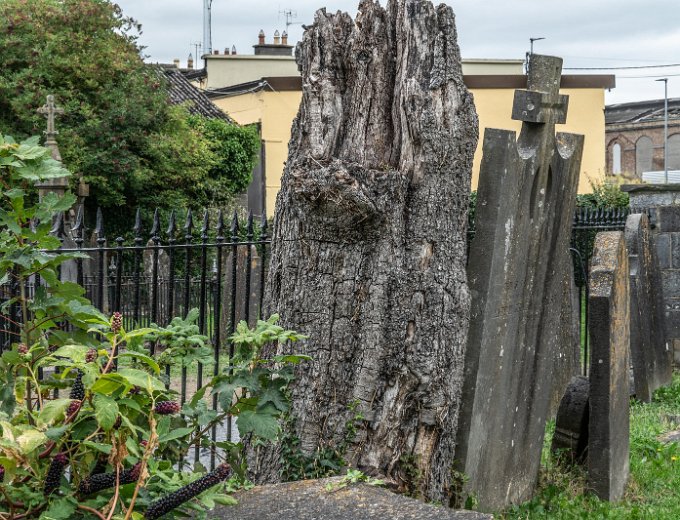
column 190, row 62
column 260, row 37
column 284, row 38
column 277, row 38
column 216, row 52
column 175, row 62
column 233, row 50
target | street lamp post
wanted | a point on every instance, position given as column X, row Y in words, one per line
column 665, row 129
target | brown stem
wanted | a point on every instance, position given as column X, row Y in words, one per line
column 115, row 494
column 93, row 511
column 151, row 444
column 30, row 512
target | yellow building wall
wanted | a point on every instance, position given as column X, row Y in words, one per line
column 585, row 116
column 275, row 112
column 225, row 71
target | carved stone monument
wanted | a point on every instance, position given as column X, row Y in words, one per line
column 517, row 270
column 57, row 185
column 651, row 355
column 609, row 325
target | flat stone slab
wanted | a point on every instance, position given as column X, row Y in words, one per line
column 670, row 437
column 311, row 500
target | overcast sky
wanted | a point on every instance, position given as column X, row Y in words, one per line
column 586, row 33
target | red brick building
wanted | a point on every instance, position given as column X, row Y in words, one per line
column 634, row 137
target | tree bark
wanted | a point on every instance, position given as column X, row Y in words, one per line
column 369, row 241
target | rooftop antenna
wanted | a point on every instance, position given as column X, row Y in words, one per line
column 531, row 51
column 207, row 23
column 289, row 15
column 198, row 46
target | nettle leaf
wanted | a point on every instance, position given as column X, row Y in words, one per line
column 52, row 410
column 258, row 422
column 105, row 411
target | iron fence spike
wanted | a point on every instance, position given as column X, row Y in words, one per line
column 189, row 224
column 234, row 227
column 99, row 228
column 137, row 229
column 250, row 228
column 172, row 225
column 156, row 227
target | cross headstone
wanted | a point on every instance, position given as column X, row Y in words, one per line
column 609, row 326
column 58, row 185
column 518, row 265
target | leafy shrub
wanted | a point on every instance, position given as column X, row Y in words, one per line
column 111, row 448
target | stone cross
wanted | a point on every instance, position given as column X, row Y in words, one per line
column 50, row 110
column 56, row 185
column 518, row 267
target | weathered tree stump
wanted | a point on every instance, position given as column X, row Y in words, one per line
column 368, row 252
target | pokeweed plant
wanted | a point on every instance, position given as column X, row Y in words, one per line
column 89, row 426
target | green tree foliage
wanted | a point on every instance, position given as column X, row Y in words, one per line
column 119, row 131
column 606, row 194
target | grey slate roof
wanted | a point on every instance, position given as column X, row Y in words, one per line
column 182, row 91
column 641, row 111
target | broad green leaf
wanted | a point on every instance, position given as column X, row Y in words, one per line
column 108, row 384
column 263, row 425
column 175, row 434
column 142, row 379
column 54, row 434
column 52, row 410
column 75, row 353
column 105, row 411
column 61, row 509
column 29, row 440
column 103, row 448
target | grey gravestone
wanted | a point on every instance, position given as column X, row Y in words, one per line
column 313, row 500
column 651, row 355
column 609, row 325
column 518, row 265
column 568, row 342
column 570, row 440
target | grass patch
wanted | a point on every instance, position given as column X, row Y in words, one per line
column 653, row 490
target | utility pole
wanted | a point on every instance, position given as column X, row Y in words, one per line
column 665, row 129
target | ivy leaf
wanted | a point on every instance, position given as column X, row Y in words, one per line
column 105, row 411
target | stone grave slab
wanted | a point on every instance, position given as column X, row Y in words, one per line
column 311, row 500
column 570, row 440
column 650, row 353
column 609, row 327
column 518, row 265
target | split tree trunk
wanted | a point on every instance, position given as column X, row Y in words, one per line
column 369, row 242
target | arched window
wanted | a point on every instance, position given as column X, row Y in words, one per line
column 616, row 159
column 643, row 155
column 674, row 152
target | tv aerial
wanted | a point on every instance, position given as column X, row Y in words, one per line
column 289, row 15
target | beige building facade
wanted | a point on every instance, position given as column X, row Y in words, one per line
column 266, row 90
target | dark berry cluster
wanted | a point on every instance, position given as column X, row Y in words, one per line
column 99, row 481
column 166, row 407
column 91, row 355
column 78, row 390
column 169, row 502
column 22, row 349
column 2, row 473
column 55, row 472
column 116, row 322
column 73, row 408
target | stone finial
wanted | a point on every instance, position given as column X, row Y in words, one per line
column 542, row 102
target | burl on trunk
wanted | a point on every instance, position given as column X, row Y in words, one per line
column 369, row 242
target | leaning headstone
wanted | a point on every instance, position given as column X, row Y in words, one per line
column 518, row 266
column 570, row 440
column 333, row 499
column 609, row 327
column 651, row 355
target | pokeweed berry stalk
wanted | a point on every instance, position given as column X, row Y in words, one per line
column 169, row 502
column 55, row 472
column 100, row 481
